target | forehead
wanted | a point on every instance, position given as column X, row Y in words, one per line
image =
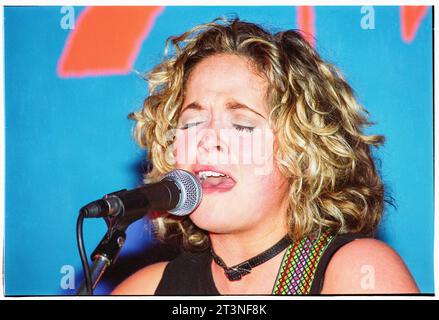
column 228, row 76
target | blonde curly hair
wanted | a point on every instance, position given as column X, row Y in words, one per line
column 318, row 124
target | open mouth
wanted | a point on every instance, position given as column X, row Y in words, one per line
column 215, row 181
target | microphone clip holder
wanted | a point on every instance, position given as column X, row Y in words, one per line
column 108, row 249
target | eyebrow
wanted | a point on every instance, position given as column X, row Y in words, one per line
column 236, row 106
column 194, row 106
column 230, row 106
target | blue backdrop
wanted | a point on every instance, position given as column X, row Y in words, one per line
column 68, row 140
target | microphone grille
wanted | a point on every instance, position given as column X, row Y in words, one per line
column 191, row 191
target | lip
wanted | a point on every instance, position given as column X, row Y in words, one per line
column 224, row 187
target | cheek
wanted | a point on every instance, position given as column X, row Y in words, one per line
column 185, row 148
column 255, row 152
column 241, row 149
column 259, row 196
column 266, row 186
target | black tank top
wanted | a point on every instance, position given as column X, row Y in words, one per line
column 191, row 274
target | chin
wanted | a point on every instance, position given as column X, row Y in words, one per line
column 213, row 219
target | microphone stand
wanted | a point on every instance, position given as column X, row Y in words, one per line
column 108, row 249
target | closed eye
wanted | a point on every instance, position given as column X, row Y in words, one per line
column 189, row 125
column 243, row 128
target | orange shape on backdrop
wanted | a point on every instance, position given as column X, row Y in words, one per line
column 106, row 40
column 306, row 23
column 411, row 18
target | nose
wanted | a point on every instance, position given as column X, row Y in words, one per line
column 210, row 140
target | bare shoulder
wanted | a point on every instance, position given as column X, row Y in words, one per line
column 143, row 282
column 367, row 266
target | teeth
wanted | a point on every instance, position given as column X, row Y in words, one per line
column 205, row 174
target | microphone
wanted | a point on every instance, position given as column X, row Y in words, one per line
column 179, row 193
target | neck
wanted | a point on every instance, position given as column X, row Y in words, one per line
column 238, row 247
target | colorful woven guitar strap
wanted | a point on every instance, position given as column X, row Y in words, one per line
column 299, row 265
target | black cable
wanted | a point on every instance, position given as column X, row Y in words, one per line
column 83, row 255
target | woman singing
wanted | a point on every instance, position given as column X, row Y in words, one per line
column 291, row 195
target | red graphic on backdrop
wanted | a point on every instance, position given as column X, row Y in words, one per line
column 305, row 23
column 411, row 18
column 106, row 40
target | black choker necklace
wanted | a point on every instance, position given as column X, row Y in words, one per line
column 238, row 271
